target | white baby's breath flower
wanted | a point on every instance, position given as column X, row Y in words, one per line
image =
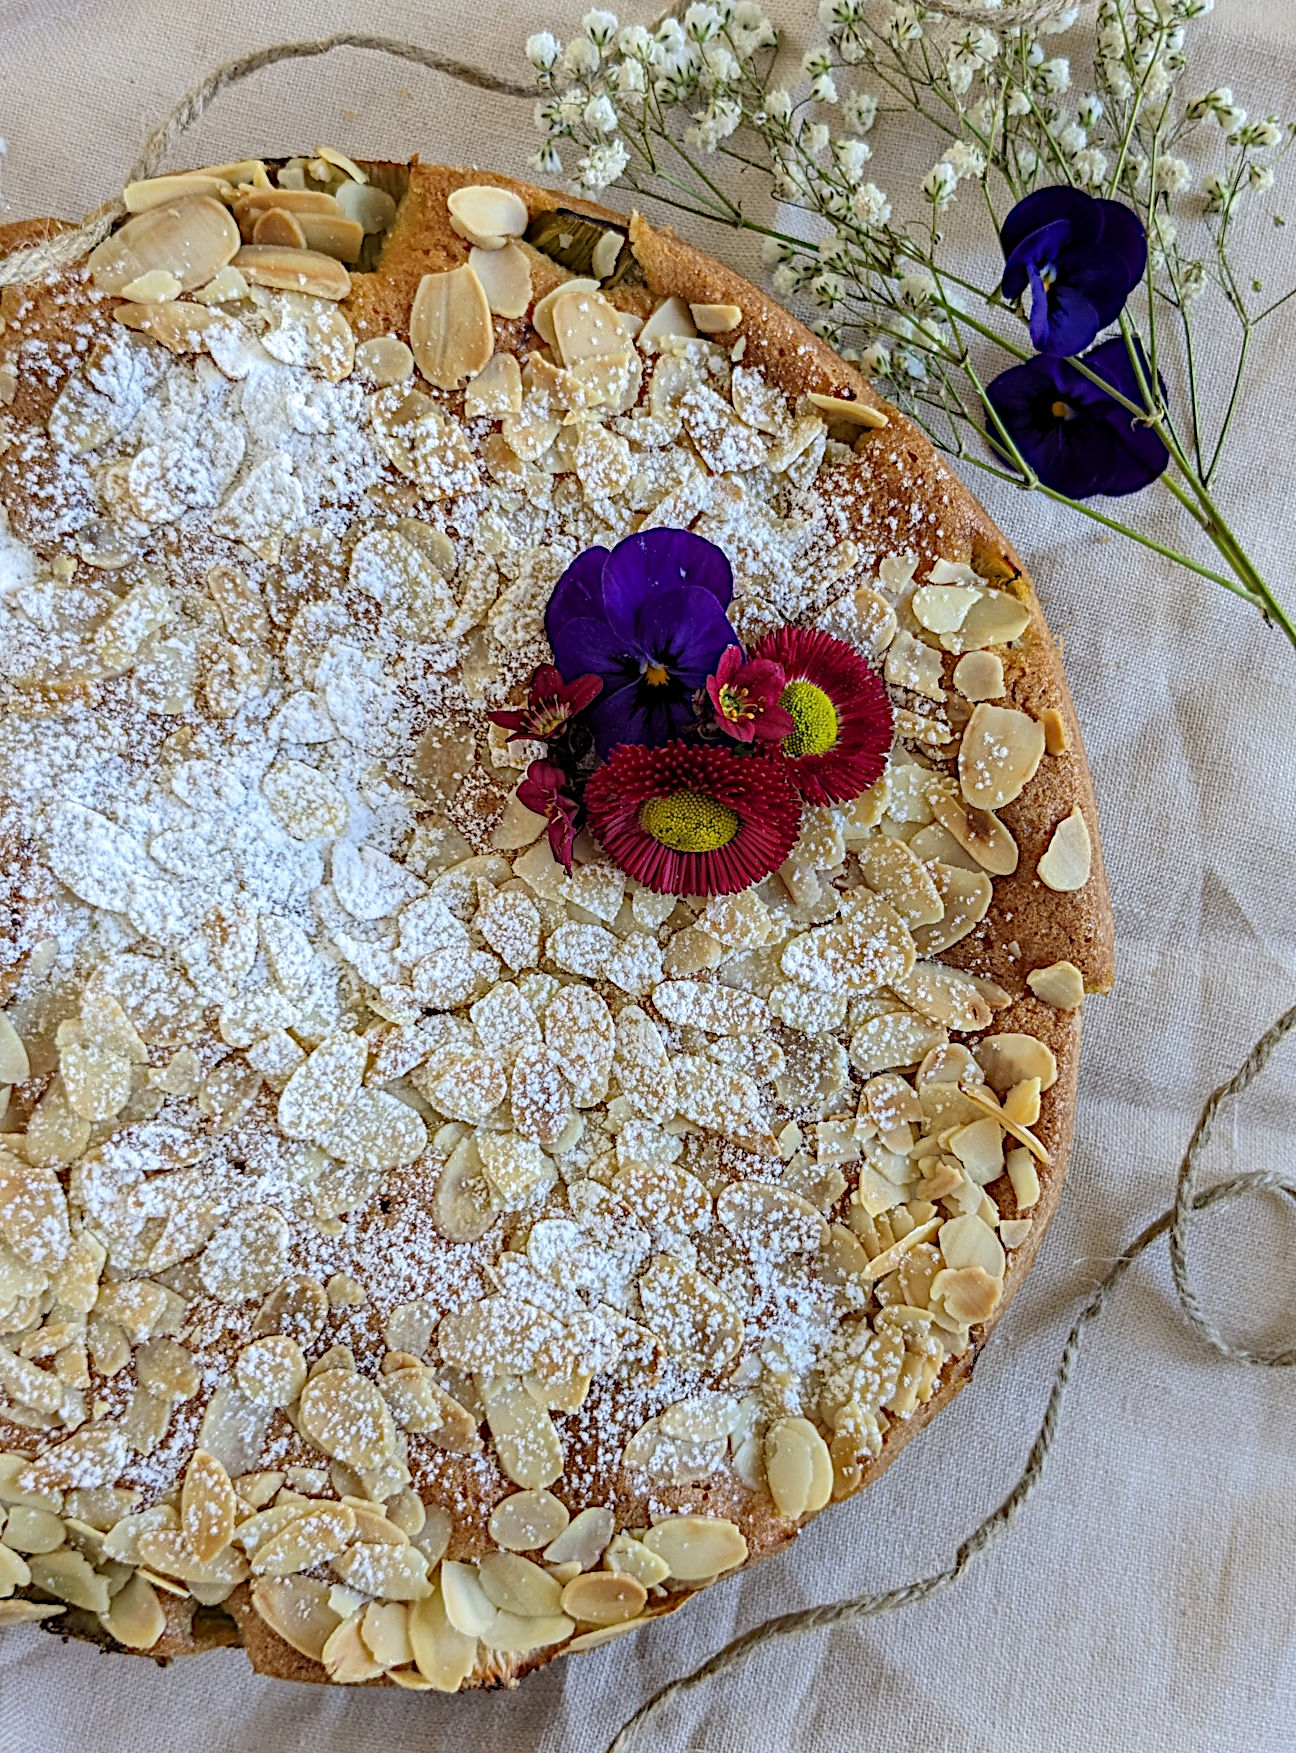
column 778, row 105
column 859, row 112
column 547, row 161
column 904, row 25
column 637, row 41
column 1172, row 175
column 1090, row 110
column 702, row 23
column 875, row 361
column 827, row 290
column 871, row 207
column 600, row 115
column 1260, row 178
column 600, row 27
column 967, row 159
column 815, row 138
column 581, row 58
column 1060, row 22
column 1072, row 138
column 1216, row 190
column 833, row 252
column 773, row 251
column 850, row 157
column 823, row 89
column 1089, row 168
column 543, row 49
column 816, row 61
column 630, row 78
column 602, row 165
column 785, row 280
column 958, row 75
column 720, row 65
column 1019, row 103
column 940, row 185
column 1026, row 156
column 1055, row 75
column 1192, row 281
column 916, row 291
column 1230, row 117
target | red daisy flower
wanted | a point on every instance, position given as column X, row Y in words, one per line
column 544, row 790
column 745, row 696
column 841, row 713
column 550, row 703
column 692, row 819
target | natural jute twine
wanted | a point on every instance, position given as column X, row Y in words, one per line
column 1190, row 1202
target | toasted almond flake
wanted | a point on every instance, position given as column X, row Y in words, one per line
column 670, row 317
column 384, row 1631
column 14, row 1064
column 1068, row 859
column 996, row 619
column 487, row 216
column 525, row 1439
column 542, row 315
column 30, row 1530
column 1021, row 1133
column 516, row 1585
column 340, row 161
column 505, row 276
column 798, row 1468
column 586, row 327
column 857, row 413
column 180, row 328
column 208, row 1506
column 68, row 1576
column 278, row 227
column 135, row 1616
column 158, row 286
column 885, row 1042
column 967, row 1241
column 769, row 1220
column 1056, row 740
column 891, row 870
column 1000, row 753
column 716, row 319
column 160, row 191
column 346, row 1657
column 946, row 995
column 1061, row 984
column 696, row 1547
column 979, row 832
column 344, row 1415
column 466, row 1605
column 980, row 676
column 967, row 1294
column 604, row 1598
column 1014, row 1233
column 251, row 203
column 528, row 1520
column 191, row 238
column 293, row 270
column 373, row 209
column 451, row 334
column 443, row 1654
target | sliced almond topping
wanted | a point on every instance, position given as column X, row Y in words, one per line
column 697, row 1547
column 979, row 832
column 191, row 238
column 528, row 1520
column 346, row 1416
column 769, row 1220
column 466, row 1605
column 999, row 755
column 525, row 1439
column 587, row 327
column 542, row 315
column 980, row 676
column 515, row 1585
column 443, row 1654
column 135, row 1616
column 1021, row 1133
column 487, row 216
column 385, row 359
column 158, row 286
column 345, row 1655
column 716, row 319
column 160, row 191
column 604, row 1598
column 1068, row 860
column 208, row 1505
column 670, row 317
column 798, row 1468
column 505, row 275
column 14, row 1064
column 451, row 333
column 838, row 408
column 250, row 204
column 1056, row 740
column 293, row 270
column 1061, row 984
column 966, row 1241
column 392, row 1572
column 275, row 226
column 180, row 328
column 996, row 619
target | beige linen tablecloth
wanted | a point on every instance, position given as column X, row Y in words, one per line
column 1147, row 1600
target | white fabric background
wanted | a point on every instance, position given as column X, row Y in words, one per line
column 1146, row 1600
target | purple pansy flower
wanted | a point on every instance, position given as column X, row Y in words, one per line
column 649, row 618
column 1079, row 256
column 1078, row 439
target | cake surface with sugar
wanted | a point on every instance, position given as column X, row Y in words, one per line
column 416, row 1262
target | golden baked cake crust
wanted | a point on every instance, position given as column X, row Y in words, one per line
column 194, row 674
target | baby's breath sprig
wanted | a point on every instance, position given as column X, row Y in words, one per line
column 671, row 111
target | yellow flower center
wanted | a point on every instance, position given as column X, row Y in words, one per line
column 1061, row 410
column 814, row 717
column 656, row 675
column 687, row 822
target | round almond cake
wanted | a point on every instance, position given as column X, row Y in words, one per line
column 547, row 883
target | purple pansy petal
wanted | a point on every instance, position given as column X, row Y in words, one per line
column 631, row 716
column 1081, row 257
column 585, row 644
column 1097, row 446
column 1040, row 209
column 579, row 592
column 656, row 560
column 1064, row 320
column 690, row 625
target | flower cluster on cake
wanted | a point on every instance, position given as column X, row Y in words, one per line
column 688, row 756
